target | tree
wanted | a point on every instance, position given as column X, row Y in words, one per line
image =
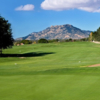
column 26, row 42
column 42, row 41
column 95, row 35
column 53, row 40
column 91, row 36
column 6, row 39
column 70, row 39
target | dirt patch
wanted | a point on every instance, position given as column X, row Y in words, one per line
column 96, row 65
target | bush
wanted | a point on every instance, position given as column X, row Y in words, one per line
column 26, row 42
column 42, row 41
column 53, row 40
column 69, row 40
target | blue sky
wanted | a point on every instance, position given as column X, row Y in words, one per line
column 27, row 16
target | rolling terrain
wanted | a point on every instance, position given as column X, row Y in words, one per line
column 53, row 71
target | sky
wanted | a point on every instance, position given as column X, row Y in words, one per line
column 27, row 16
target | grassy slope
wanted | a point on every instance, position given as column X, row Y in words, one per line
column 51, row 72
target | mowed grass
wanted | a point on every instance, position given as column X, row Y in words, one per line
column 54, row 71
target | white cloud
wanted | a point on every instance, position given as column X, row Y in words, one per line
column 27, row 7
column 58, row 5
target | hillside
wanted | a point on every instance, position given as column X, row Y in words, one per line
column 58, row 32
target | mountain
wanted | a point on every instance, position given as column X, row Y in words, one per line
column 58, row 32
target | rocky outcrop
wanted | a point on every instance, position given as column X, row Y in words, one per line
column 58, row 32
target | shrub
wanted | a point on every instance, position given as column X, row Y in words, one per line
column 42, row 41
column 26, row 41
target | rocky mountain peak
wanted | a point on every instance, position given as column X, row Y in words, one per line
column 58, row 32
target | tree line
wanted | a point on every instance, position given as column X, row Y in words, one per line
column 95, row 36
column 7, row 41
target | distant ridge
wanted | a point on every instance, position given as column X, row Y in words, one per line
column 58, row 32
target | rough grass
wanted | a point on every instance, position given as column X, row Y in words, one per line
column 55, row 71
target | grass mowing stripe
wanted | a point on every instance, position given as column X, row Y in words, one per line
column 49, row 87
column 54, row 74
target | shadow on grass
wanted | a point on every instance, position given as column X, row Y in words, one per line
column 31, row 54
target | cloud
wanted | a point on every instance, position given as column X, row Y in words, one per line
column 27, row 7
column 59, row 5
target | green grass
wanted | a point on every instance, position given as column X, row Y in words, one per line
column 55, row 71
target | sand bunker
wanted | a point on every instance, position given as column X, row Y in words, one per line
column 96, row 65
column 96, row 42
